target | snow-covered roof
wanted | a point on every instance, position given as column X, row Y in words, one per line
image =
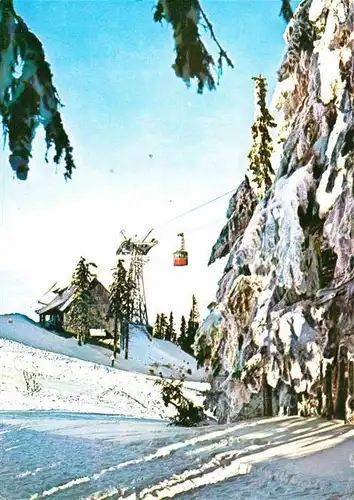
column 63, row 296
column 61, row 301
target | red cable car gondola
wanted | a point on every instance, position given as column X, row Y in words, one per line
column 180, row 257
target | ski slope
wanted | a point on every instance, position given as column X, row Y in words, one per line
column 145, row 355
column 42, row 371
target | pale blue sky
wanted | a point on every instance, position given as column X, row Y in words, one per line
column 112, row 68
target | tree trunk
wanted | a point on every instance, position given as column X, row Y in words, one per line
column 349, row 407
column 293, row 409
column 329, row 395
column 342, row 382
column 320, row 391
column 267, row 398
column 126, row 327
column 115, row 338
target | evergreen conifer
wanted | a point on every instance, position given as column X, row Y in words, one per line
column 170, row 330
column 157, row 327
column 183, row 334
column 163, row 325
column 82, row 315
column 260, row 166
column 193, row 325
column 118, row 304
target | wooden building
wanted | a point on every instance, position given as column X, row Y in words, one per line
column 53, row 314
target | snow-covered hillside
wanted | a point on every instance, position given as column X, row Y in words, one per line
column 144, row 354
column 39, row 370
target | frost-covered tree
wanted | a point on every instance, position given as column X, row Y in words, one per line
column 28, row 96
column 118, row 303
column 260, row 167
column 284, row 317
column 82, row 313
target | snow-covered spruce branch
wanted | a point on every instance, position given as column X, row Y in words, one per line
column 187, row 413
column 192, row 57
column 193, row 60
column 286, row 11
column 27, row 94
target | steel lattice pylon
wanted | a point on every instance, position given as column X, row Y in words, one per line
column 137, row 250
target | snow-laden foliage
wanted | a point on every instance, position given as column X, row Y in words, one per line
column 192, row 57
column 82, row 314
column 239, row 213
column 339, row 230
column 188, row 414
column 284, row 320
column 207, row 339
column 277, row 248
column 118, row 303
column 27, row 94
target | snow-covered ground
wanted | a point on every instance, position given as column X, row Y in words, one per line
column 96, row 457
column 104, row 453
column 144, row 354
column 42, row 371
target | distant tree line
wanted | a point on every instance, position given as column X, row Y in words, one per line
column 164, row 328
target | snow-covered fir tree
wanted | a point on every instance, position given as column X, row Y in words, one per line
column 118, row 303
column 82, row 314
column 260, row 166
column 282, row 330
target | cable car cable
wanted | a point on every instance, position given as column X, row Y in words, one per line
column 200, row 206
column 195, row 208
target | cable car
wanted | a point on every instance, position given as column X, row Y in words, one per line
column 180, row 257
